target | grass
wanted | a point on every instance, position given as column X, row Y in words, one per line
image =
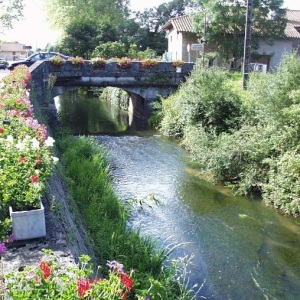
column 105, row 217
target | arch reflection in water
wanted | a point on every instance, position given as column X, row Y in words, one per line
column 84, row 113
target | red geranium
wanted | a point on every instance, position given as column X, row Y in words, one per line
column 127, row 281
column 83, row 285
column 34, row 179
column 45, row 268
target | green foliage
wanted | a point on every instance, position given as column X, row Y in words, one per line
column 85, row 165
column 203, row 99
column 249, row 139
column 80, row 38
column 10, row 10
column 133, row 52
column 225, row 29
column 110, row 49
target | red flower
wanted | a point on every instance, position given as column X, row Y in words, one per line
column 1, row 130
column 83, row 285
column 126, row 280
column 22, row 159
column 34, row 179
column 123, row 295
column 45, row 268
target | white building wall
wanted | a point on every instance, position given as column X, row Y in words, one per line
column 175, row 45
column 276, row 51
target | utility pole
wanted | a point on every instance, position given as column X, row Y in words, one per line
column 247, row 44
column 203, row 40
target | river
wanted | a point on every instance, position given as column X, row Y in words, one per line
column 237, row 247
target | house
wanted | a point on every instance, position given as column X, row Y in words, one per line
column 180, row 33
column 13, row 51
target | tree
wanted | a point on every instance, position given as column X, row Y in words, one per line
column 10, row 10
column 63, row 12
column 81, row 38
column 225, row 26
column 151, row 20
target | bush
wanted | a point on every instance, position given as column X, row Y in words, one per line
column 204, row 99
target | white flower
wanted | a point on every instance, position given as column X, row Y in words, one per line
column 20, row 145
column 37, row 185
column 10, row 139
column 35, row 144
column 49, row 142
column 55, row 159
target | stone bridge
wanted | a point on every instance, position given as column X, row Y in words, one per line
column 143, row 85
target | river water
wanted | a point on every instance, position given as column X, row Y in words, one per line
column 238, row 248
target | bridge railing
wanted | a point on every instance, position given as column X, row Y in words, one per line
column 111, row 69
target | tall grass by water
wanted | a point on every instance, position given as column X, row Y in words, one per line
column 88, row 178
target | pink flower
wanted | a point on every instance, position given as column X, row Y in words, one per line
column 22, row 160
column 2, row 248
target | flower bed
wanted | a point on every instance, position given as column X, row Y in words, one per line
column 50, row 281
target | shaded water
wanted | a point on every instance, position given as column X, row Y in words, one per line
column 240, row 248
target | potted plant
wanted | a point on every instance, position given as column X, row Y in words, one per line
column 178, row 64
column 57, row 61
column 97, row 62
column 125, row 63
column 26, row 152
column 149, row 63
column 77, row 60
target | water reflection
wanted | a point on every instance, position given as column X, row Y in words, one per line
column 241, row 248
column 84, row 113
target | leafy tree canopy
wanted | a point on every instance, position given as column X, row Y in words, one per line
column 10, row 10
column 63, row 12
column 82, row 37
column 225, row 23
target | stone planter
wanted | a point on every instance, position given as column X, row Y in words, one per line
column 28, row 224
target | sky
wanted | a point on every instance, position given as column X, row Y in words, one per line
column 34, row 30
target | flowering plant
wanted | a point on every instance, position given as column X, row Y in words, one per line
column 178, row 63
column 57, row 61
column 149, row 63
column 98, row 62
column 124, row 63
column 25, row 147
column 77, row 60
column 49, row 280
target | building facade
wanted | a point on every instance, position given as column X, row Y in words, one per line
column 180, row 34
column 13, row 51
